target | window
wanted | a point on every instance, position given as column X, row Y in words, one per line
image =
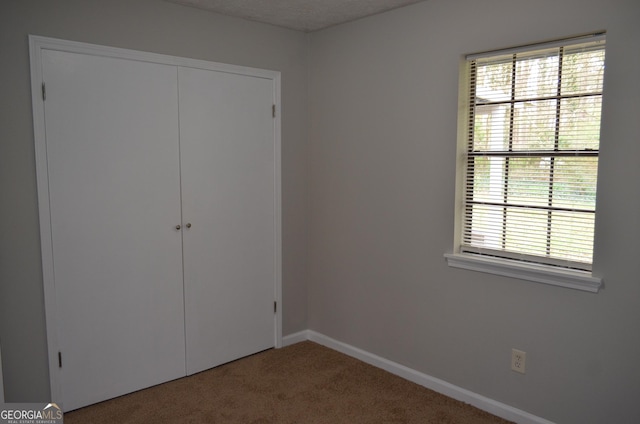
column 532, row 139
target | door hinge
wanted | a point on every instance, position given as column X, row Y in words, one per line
column 44, row 92
column 60, row 359
column 275, row 307
column 273, row 110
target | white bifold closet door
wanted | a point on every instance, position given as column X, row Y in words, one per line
column 228, row 182
column 114, row 195
column 161, row 191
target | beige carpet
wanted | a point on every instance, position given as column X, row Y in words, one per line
column 304, row 383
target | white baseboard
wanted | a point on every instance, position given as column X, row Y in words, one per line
column 489, row 405
column 294, row 338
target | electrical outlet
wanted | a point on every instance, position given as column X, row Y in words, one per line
column 518, row 360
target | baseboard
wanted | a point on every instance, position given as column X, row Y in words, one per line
column 494, row 407
column 294, row 338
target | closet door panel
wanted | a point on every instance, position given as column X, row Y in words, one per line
column 114, row 188
column 228, row 192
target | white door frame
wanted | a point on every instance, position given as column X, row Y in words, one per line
column 37, row 44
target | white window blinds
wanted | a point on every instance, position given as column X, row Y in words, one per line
column 532, row 152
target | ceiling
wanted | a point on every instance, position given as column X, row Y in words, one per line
column 301, row 15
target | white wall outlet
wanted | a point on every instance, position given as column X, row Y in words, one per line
column 518, row 359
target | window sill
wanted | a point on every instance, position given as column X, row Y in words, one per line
column 577, row 280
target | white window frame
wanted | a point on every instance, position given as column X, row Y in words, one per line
column 545, row 273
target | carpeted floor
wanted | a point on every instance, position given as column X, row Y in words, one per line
column 304, row 383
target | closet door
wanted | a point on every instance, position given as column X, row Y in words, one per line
column 114, row 194
column 228, row 191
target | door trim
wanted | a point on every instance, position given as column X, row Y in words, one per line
column 38, row 44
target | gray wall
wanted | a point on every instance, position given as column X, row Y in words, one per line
column 368, row 203
column 383, row 106
column 149, row 25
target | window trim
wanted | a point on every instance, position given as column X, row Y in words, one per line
column 549, row 274
column 546, row 274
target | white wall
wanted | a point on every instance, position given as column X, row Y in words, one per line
column 383, row 108
column 148, row 25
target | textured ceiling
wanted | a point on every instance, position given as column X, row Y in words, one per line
column 301, row 15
